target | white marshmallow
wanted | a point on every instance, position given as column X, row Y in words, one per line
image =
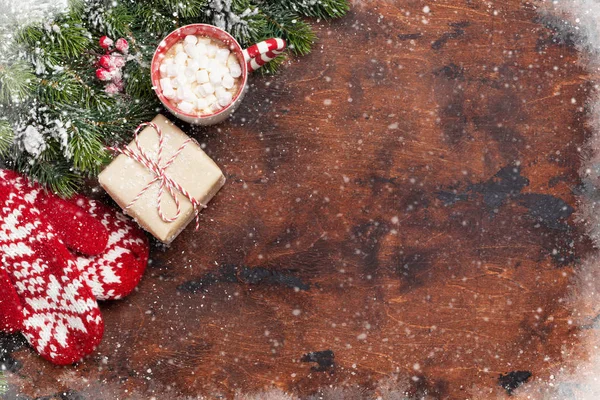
column 211, row 50
column 165, row 83
column 216, row 77
column 186, row 107
column 227, row 81
column 234, row 67
column 200, row 92
column 190, row 72
column 191, row 50
column 202, row 76
column 213, row 65
column 181, row 58
column 208, row 88
column 193, row 64
column 225, row 99
column 182, row 80
column 180, row 93
column 220, row 91
column 188, row 95
column 215, row 107
column 172, row 70
column 169, row 93
column 222, row 55
column 211, row 99
column 202, row 62
column 163, row 70
column 201, row 49
column 201, row 103
column 190, row 39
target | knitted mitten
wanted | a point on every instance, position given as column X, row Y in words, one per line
column 111, row 250
column 57, row 312
column 116, row 271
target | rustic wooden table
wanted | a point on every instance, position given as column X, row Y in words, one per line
column 398, row 214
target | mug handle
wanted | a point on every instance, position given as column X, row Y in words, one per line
column 261, row 53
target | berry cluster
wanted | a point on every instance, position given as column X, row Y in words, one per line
column 112, row 63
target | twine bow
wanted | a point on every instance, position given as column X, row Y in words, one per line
column 160, row 174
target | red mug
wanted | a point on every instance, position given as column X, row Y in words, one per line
column 250, row 59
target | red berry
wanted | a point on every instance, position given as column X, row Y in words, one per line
column 115, row 72
column 117, row 61
column 122, row 45
column 119, row 83
column 105, row 42
column 111, row 88
column 106, row 61
column 103, row 74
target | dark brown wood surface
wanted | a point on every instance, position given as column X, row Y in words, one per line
column 399, row 211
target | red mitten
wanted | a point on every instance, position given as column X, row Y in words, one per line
column 57, row 312
column 79, row 231
column 113, row 251
column 116, row 271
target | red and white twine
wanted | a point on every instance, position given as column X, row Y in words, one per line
column 160, row 174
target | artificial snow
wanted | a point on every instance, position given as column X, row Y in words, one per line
column 577, row 376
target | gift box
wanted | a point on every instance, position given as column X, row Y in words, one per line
column 162, row 179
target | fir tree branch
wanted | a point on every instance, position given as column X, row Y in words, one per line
column 272, row 66
column 56, row 116
column 86, row 148
column 6, row 137
column 154, row 20
column 16, row 82
column 242, row 19
column 313, row 8
column 3, row 384
column 57, row 175
column 183, row 8
column 62, row 39
column 118, row 20
column 137, row 81
column 287, row 25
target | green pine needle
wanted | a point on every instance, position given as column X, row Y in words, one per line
column 86, row 148
column 137, row 80
column 6, row 137
column 287, row 25
column 48, row 83
column 3, row 384
column 61, row 40
column 16, row 82
column 273, row 66
column 315, row 8
column 183, row 8
column 58, row 176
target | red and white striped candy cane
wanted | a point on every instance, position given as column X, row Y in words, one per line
column 261, row 53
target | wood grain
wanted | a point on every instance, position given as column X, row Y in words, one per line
column 399, row 208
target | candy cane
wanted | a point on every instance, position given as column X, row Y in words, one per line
column 261, row 53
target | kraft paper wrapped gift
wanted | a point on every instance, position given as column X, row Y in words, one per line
column 125, row 178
